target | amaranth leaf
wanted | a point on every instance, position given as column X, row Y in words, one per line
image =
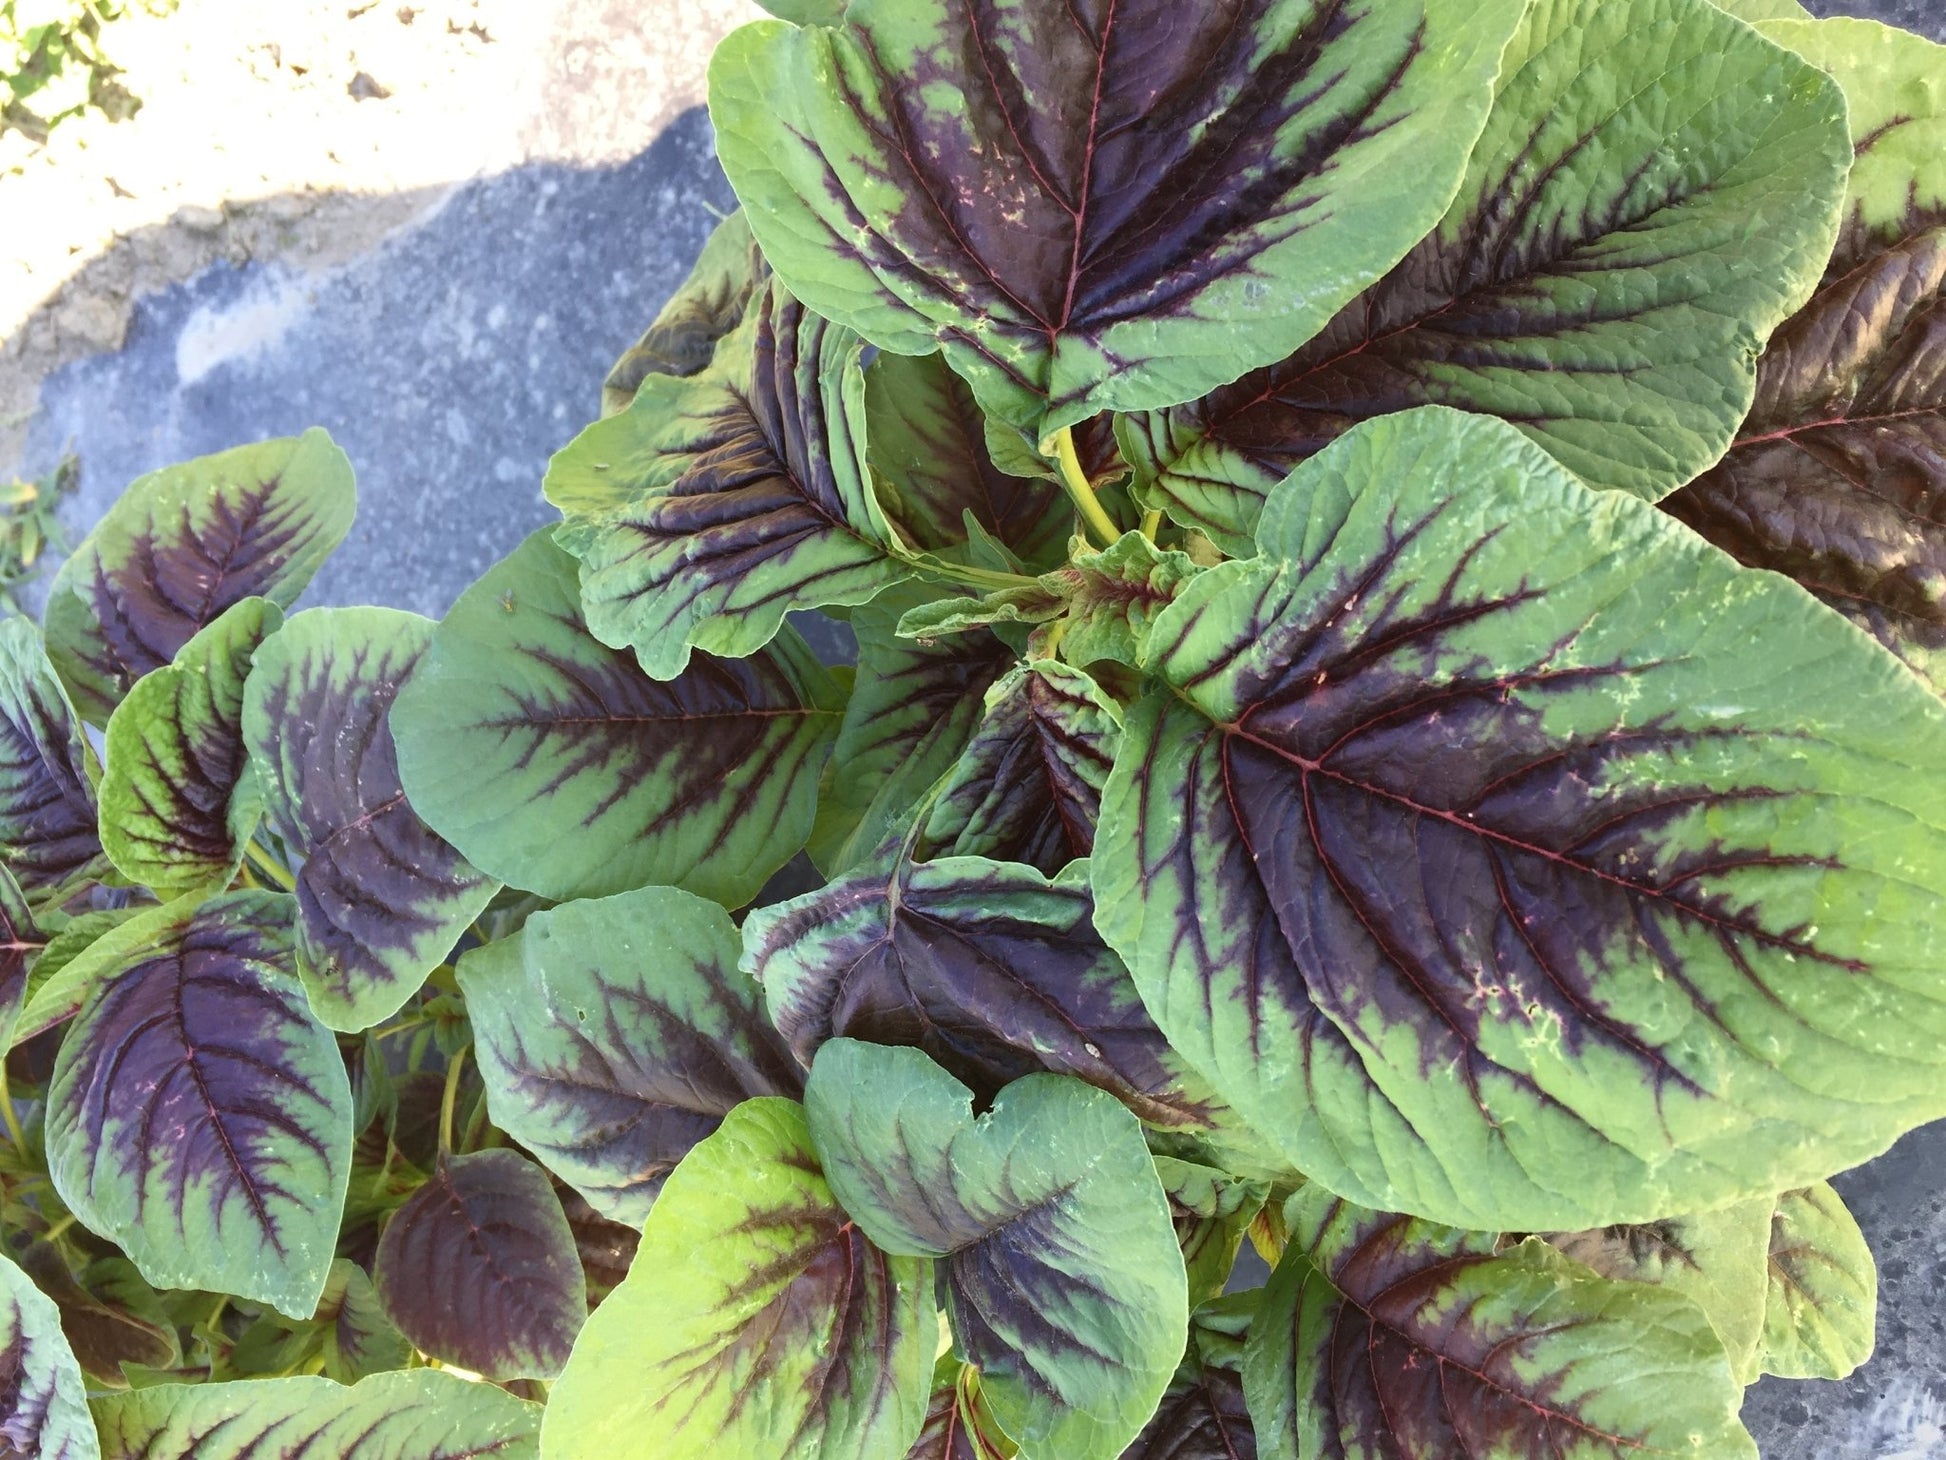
column 615, row 1034
column 1655, row 192
column 1838, row 475
column 48, row 833
column 555, row 764
column 1115, row 205
column 992, row 968
column 199, row 1115
column 1821, row 1306
column 715, row 504
column 1064, row 1286
column 43, row 1399
column 419, row 1415
column 171, row 818
column 1386, row 1338
column 183, row 544
column 757, row 1321
column 381, row 897
column 478, row 1268
column 705, row 307
column 1515, row 859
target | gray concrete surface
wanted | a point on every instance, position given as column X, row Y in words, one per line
column 452, row 361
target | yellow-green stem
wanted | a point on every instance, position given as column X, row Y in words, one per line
column 1151, row 523
column 54, row 1232
column 264, row 866
column 12, row 1118
column 446, row 1102
column 1076, row 481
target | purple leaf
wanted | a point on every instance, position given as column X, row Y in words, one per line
column 48, row 835
column 479, row 1268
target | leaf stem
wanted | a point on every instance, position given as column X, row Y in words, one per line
column 18, row 1136
column 1076, row 481
column 264, row 865
column 1151, row 523
column 446, row 1101
column 965, row 573
column 54, row 1232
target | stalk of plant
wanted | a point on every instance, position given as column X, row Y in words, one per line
column 1396, row 719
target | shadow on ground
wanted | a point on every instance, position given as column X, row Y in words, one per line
column 449, row 362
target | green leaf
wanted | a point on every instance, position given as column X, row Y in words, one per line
column 1081, row 218
column 48, row 830
column 44, row 1403
column 381, row 897
column 1386, row 1338
column 52, row 997
column 912, row 710
column 420, row 1415
column 1513, row 858
column 705, row 307
column 108, row 1314
column 557, row 766
column 1821, row 1309
column 807, row 12
column 992, row 968
column 1028, row 786
column 171, row 820
column 1715, row 1259
column 1838, row 474
column 199, row 1115
column 1064, row 1285
column 1111, row 599
column 1211, row 1210
column 714, row 505
column 22, row 946
column 615, row 1034
column 757, row 1321
column 1759, row 10
column 184, row 544
column 959, row 1426
column 358, row 1339
column 1656, row 190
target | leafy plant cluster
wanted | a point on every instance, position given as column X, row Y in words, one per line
column 1394, row 558
column 53, row 65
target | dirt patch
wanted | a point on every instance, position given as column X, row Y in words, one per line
column 303, row 132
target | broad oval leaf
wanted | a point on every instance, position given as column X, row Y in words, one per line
column 1839, row 472
column 43, row 1398
column 555, row 764
column 913, row 707
column 1109, row 206
column 1821, row 1305
column 1064, row 1285
column 420, row 1415
column 705, row 307
column 1655, row 191
column 171, row 819
column 479, row 1269
column 1714, row 1259
column 358, row 1339
column 757, row 1321
column 184, row 544
column 993, row 969
column 199, row 1115
column 48, row 827
column 1028, row 786
column 1478, row 853
column 715, row 504
column 1386, row 1338
column 615, row 1034
column 381, row 897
